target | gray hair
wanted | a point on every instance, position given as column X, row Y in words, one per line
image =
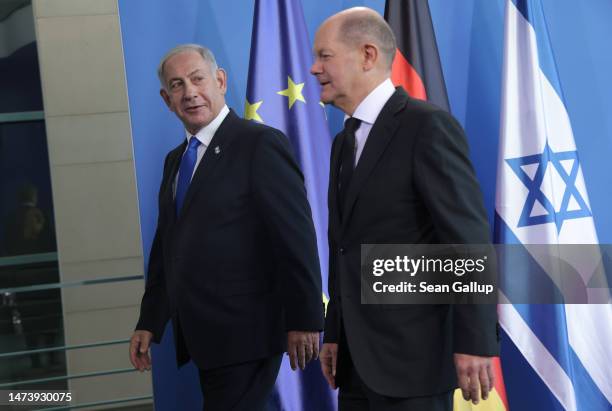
column 369, row 27
column 206, row 54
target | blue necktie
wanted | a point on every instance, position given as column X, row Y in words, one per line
column 185, row 172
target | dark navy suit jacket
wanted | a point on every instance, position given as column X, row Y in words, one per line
column 238, row 267
column 414, row 183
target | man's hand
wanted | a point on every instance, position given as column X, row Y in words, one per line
column 474, row 373
column 329, row 357
column 139, row 350
column 302, row 346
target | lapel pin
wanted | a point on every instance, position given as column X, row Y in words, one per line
column 217, row 150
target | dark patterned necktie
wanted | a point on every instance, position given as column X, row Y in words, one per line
column 347, row 159
column 188, row 163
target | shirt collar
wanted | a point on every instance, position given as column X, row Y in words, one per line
column 371, row 106
column 206, row 134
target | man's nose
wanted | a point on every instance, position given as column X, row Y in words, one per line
column 315, row 68
column 190, row 90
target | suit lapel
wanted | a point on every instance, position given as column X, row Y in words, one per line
column 216, row 150
column 382, row 132
column 168, row 195
column 332, row 196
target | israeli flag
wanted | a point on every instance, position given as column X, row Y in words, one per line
column 542, row 199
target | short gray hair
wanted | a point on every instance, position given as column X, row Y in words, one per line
column 206, row 54
column 369, row 27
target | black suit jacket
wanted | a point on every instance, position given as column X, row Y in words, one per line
column 239, row 266
column 414, row 183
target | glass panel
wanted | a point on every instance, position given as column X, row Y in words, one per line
column 25, row 186
column 28, row 320
column 20, row 80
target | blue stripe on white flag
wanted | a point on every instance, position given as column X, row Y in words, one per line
column 534, row 14
column 520, row 378
column 549, row 324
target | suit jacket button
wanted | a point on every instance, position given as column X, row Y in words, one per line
column 342, row 251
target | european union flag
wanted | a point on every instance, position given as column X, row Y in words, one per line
column 281, row 93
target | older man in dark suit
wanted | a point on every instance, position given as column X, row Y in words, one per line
column 234, row 261
column 400, row 173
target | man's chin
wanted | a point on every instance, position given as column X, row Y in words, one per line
column 198, row 122
column 195, row 127
column 327, row 100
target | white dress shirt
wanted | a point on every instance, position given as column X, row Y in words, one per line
column 367, row 111
column 205, row 135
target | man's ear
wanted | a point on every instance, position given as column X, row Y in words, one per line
column 371, row 55
column 221, row 79
column 164, row 95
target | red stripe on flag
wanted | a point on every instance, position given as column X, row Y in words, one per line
column 499, row 381
column 403, row 74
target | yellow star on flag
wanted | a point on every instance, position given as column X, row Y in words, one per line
column 293, row 92
column 250, row 111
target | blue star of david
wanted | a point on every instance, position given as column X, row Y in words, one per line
column 535, row 191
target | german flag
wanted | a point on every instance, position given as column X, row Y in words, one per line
column 417, row 68
column 417, row 63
